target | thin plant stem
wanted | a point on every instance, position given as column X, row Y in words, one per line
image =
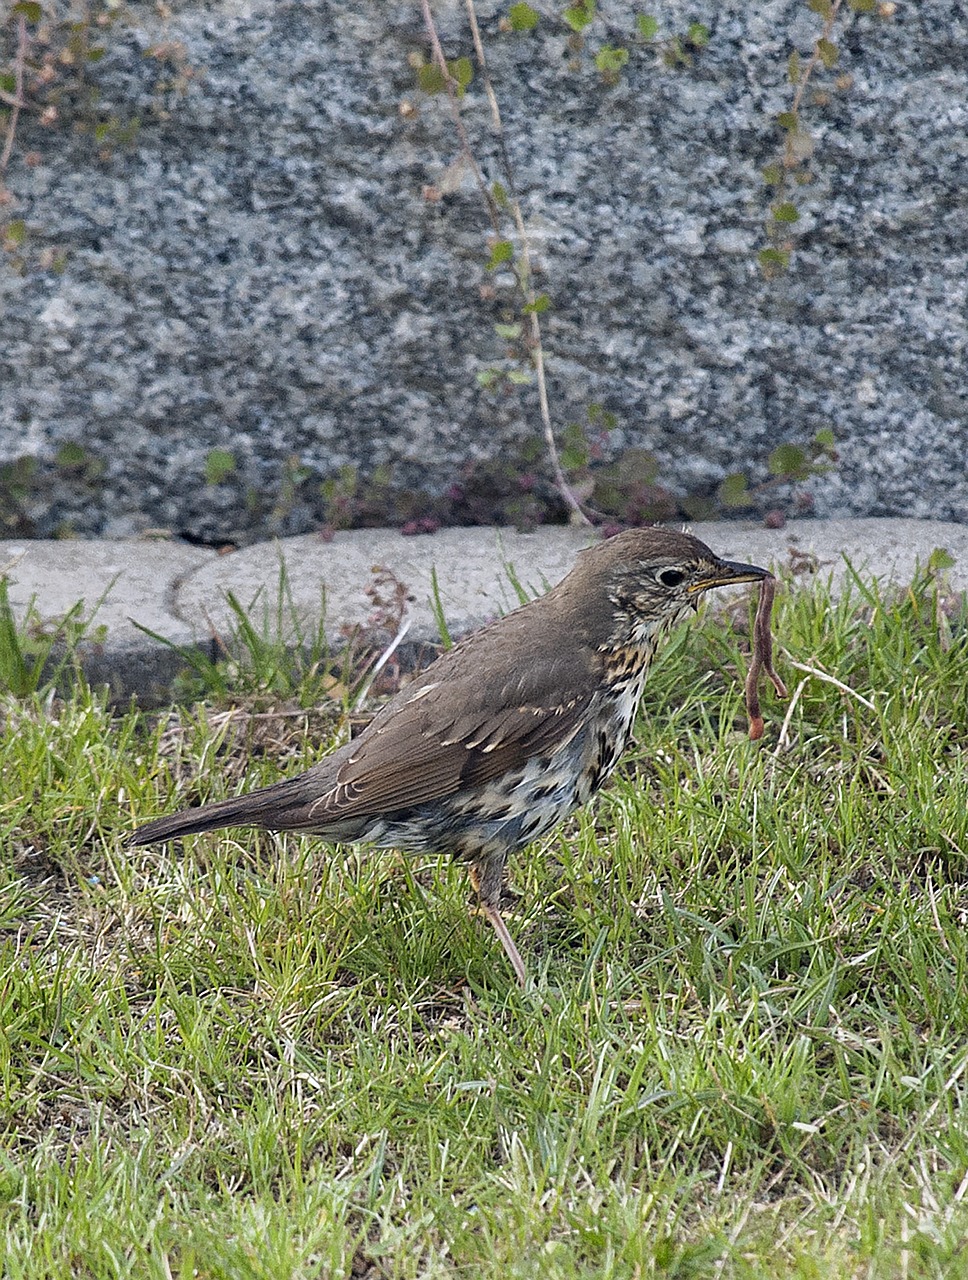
column 525, row 278
column 790, row 160
column 16, row 100
column 437, row 54
column 524, row 275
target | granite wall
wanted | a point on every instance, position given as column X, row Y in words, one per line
column 248, row 256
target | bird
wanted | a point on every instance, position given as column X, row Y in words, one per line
column 504, row 735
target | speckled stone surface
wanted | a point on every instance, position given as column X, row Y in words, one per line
column 260, row 271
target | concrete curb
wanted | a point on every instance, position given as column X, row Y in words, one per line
column 365, row 578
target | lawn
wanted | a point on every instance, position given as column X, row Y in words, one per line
column 745, row 1052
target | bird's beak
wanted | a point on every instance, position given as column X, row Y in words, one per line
column 727, row 573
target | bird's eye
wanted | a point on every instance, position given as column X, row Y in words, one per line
column 671, row 577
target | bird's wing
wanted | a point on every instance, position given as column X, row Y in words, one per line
column 448, row 734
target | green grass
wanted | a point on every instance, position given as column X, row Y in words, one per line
column 745, row 1055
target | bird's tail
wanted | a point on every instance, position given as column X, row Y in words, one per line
column 279, row 807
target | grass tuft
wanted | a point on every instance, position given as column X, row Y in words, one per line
column 746, row 1053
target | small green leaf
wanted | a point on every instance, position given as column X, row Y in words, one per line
column 574, row 447
column 70, row 455
column 824, row 439
column 342, row 485
column 579, row 14
column 773, row 174
column 15, row 232
column 501, row 251
column 522, row 17
column 787, row 120
column 500, row 195
column 219, row 465
column 941, row 559
column 541, row 303
column 95, row 53
column 733, row 491
column 828, row 52
column 610, row 61
column 793, row 67
column 430, row 78
column 28, row 9
column 785, row 212
column 462, row 69
column 510, row 332
column 697, row 35
column 648, row 26
column 823, row 7
column 488, row 377
column 773, row 261
column 697, row 508
column 604, row 418
column 789, row 460
column 519, row 376
column 863, row 6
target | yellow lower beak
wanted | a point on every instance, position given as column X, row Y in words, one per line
column 727, row 573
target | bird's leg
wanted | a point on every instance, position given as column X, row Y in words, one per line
column 507, row 942
column 487, row 877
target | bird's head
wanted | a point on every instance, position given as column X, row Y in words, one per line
column 651, row 577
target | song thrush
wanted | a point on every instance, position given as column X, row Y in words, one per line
column 506, row 733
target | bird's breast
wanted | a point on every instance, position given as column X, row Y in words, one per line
column 609, row 732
